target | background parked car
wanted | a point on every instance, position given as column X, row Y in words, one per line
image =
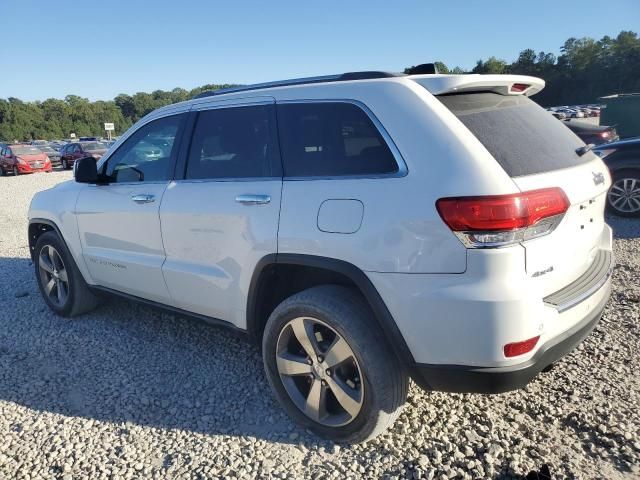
column 623, row 160
column 52, row 153
column 590, row 133
column 17, row 159
column 74, row 151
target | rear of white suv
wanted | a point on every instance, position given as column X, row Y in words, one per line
column 538, row 260
column 363, row 228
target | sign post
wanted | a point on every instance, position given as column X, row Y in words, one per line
column 109, row 128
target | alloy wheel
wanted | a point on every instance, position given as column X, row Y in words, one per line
column 624, row 195
column 319, row 371
column 53, row 275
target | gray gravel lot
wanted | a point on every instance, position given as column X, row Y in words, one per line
column 130, row 392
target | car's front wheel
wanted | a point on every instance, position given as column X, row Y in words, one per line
column 60, row 282
column 65, row 165
column 330, row 367
column 623, row 198
column 15, row 171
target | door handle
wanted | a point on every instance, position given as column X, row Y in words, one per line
column 143, row 198
column 253, row 199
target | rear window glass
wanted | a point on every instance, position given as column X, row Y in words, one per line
column 523, row 137
column 331, row 139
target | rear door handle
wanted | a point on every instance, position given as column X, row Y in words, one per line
column 143, row 198
column 253, row 199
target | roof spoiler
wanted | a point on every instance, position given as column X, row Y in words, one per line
column 502, row 84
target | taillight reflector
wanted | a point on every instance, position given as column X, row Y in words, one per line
column 520, row 348
column 502, row 212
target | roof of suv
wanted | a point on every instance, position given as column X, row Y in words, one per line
column 436, row 84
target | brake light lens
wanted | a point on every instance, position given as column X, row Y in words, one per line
column 520, row 348
column 519, row 87
column 499, row 220
column 605, row 134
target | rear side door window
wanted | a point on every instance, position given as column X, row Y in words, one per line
column 233, row 143
column 328, row 139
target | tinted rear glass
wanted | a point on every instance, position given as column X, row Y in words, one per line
column 234, row 142
column 523, row 137
column 331, row 139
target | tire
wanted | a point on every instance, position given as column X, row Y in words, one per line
column 381, row 387
column 79, row 299
column 1, row 171
column 623, row 198
column 65, row 165
column 15, row 171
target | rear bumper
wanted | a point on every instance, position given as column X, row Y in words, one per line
column 471, row 379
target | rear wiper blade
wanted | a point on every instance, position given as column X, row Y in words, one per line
column 586, row 148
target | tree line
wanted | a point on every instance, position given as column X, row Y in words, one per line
column 585, row 70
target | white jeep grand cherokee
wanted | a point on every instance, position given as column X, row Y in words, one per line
column 365, row 228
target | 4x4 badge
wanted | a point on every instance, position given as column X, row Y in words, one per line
column 598, row 177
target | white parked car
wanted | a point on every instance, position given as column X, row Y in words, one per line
column 364, row 228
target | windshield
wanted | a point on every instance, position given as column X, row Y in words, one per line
column 94, row 146
column 26, row 150
column 46, row 149
column 522, row 136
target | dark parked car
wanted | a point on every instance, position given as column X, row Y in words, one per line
column 52, row 153
column 590, row 133
column 623, row 160
column 74, row 151
column 17, row 159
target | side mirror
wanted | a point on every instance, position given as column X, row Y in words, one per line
column 85, row 170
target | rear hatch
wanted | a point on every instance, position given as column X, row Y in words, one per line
column 538, row 151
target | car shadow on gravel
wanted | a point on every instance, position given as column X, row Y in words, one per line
column 127, row 363
column 624, row 228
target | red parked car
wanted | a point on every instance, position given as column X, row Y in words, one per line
column 17, row 159
column 75, row 151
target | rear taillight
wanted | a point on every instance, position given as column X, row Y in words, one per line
column 605, row 134
column 520, row 348
column 499, row 220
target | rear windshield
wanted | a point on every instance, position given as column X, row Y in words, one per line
column 520, row 134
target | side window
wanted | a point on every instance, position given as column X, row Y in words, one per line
column 147, row 155
column 237, row 142
column 331, row 139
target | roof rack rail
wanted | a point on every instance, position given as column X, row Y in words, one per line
column 368, row 75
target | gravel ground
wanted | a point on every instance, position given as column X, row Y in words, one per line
column 129, row 392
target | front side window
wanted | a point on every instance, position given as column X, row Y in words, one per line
column 237, row 142
column 147, row 155
column 331, row 139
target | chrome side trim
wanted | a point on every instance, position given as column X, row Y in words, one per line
column 596, row 276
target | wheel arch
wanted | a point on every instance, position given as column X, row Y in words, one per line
column 266, row 291
column 38, row 226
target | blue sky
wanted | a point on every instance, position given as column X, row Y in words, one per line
column 98, row 49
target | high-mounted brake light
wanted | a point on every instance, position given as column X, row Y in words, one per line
column 499, row 220
column 519, row 87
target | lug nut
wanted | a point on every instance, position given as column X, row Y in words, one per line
column 328, row 372
column 310, row 362
column 320, row 359
column 324, row 382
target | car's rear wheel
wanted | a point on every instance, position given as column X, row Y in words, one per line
column 60, row 282
column 623, row 198
column 330, row 368
column 15, row 171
